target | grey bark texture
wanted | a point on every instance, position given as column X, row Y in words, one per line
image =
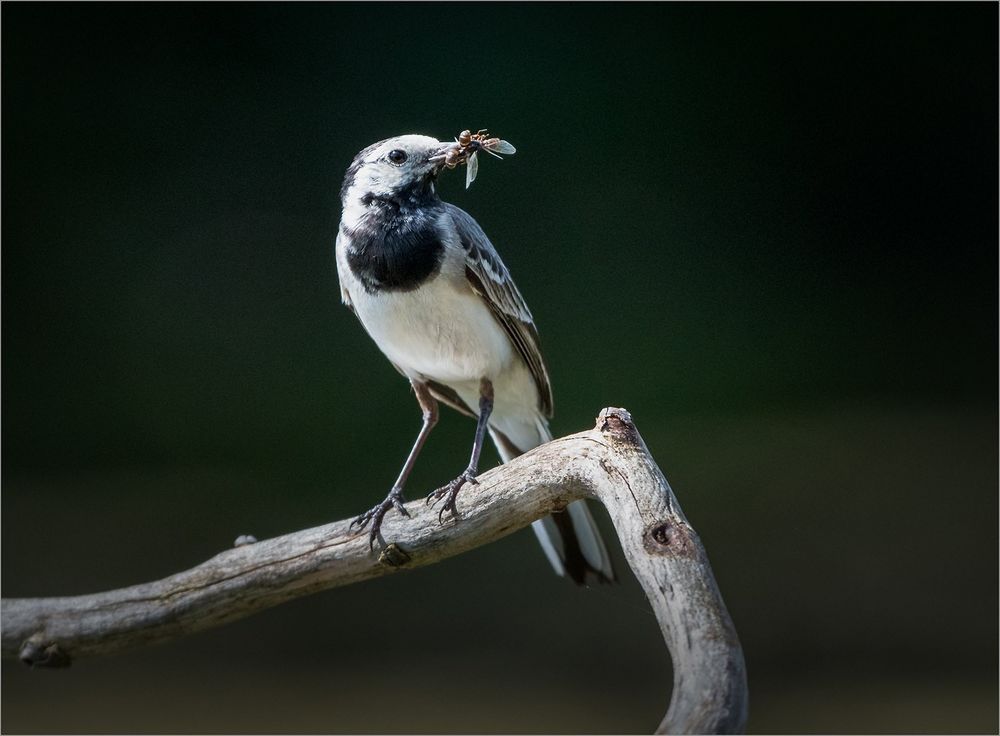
column 609, row 463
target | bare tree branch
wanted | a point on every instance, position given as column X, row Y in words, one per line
column 609, row 463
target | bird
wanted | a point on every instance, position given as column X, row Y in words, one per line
column 430, row 289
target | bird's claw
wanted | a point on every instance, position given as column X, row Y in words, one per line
column 375, row 515
column 450, row 491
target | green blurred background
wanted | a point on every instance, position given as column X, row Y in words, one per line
column 770, row 231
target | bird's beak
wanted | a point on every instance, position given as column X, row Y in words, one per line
column 437, row 156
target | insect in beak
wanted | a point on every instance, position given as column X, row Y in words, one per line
column 465, row 149
column 440, row 156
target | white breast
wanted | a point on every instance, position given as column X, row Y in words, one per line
column 440, row 331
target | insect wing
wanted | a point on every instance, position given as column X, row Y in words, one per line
column 503, row 147
column 471, row 169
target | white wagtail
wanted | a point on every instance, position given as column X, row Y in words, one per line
column 431, row 290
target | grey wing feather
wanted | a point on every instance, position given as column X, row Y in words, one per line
column 490, row 278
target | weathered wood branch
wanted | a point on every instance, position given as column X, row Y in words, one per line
column 609, row 463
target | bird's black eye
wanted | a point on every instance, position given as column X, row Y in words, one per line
column 397, row 156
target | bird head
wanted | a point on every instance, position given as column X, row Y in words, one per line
column 400, row 168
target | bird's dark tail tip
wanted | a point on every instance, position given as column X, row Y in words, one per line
column 578, row 567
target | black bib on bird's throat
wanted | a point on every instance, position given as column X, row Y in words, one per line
column 394, row 248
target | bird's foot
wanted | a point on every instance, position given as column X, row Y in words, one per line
column 450, row 491
column 375, row 515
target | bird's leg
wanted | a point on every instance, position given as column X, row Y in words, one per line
column 395, row 498
column 450, row 492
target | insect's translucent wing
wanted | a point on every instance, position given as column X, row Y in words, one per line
column 471, row 169
column 503, row 147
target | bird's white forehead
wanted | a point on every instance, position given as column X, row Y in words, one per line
column 408, row 143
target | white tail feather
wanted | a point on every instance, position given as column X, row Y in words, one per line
column 591, row 544
column 548, row 536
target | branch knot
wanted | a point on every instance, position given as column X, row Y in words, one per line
column 670, row 537
column 38, row 653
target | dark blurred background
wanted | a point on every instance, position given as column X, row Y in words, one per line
column 770, row 231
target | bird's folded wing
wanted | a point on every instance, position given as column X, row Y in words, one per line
column 489, row 277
